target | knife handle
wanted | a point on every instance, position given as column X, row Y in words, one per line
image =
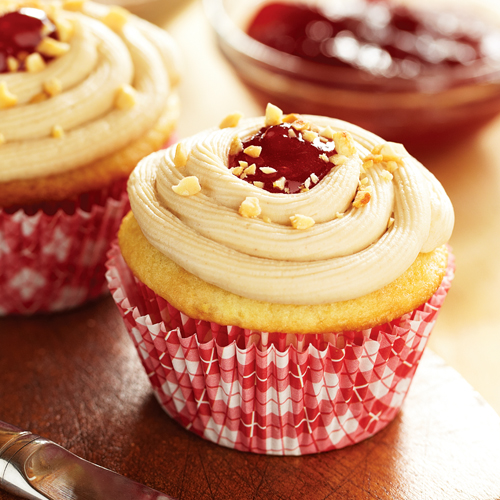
column 14, row 445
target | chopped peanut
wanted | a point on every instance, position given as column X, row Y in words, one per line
column 392, row 166
column 344, row 143
column 314, row 178
column 386, row 175
column 52, row 48
column 236, row 146
column 338, row 159
column 301, row 221
column 7, row 98
column 253, row 151
column 274, row 115
column 181, row 155
column 243, row 164
column 267, row 170
column 291, row 118
column 327, row 133
column 231, row 120
column 251, row 169
column 116, row 18
column 12, row 64
column 309, row 135
column 126, row 97
column 390, row 222
column 57, row 132
column 265, row 218
column 301, row 125
column 291, row 133
column 2, row 139
column 280, row 183
column 237, row 171
column 188, row 186
column 53, row 86
column 64, row 28
column 73, row 5
column 250, row 207
column 35, row 63
column 324, row 158
column 363, row 197
column 258, row 184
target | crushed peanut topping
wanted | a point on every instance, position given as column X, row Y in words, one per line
column 391, row 154
column 57, row 132
column 301, row 125
column 253, row 151
column 73, row 5
column 12, row 64
column 339, row 215
column 181, row 155
column 274, row 115
column 265, row 218
column 243, row 164
column 40, row 97
column 338, row 159
column 291, row 133
column 301, row 221
column 126, row 97
column 280, row 183
column 2, row 139
column 7, row 98
column 258, row 184
column 53, row 86
column 390, row 222
column 344, row 143
column 291, row 118
column 314, row 178
column 237, row 171
column 367, row 164
column 307, row 183
column 250, row 207
column 268, row 170
column 363, row 181
column 116, row 18
column 386, row 175
column 231, row 120
column 309, row 135
column 327, row 133
column 236, row 146
column 392, row 166
column 251, row 169
column 35, row 63
column 324, row 157
column 65, row 29
column 188, row 186
column 52, row 48
column 362, row 199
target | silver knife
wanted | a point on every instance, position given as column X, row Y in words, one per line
column 38, row 469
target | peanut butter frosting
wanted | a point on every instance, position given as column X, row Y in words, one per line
column 356, row 230
column 106, row 83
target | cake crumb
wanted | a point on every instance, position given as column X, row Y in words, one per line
column 7, row 98
column 181, row 155
column 57, row 132
column 231, row 120
column 267, row 170
column 250, row 207
column 280, row 183
column 12, row 64
column 301, row 221
column 236, row 146
column 274, row 115
column 188, row 186
column 253, row 151
column 126, row 97
column 116, row 18
column 53, row 86
column 344, row 143
column 52, row 48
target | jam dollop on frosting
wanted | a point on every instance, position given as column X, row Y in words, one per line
column 287, row 154
column 20, row 33
column 376, row 36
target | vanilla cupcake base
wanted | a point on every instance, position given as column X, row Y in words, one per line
column 273, row 393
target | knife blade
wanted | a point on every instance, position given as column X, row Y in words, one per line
column 38, row 469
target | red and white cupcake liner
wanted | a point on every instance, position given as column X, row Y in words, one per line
column 52, row 255
column 273, row 393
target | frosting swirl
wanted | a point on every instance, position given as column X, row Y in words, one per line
column 100, row 61
column 349, row 251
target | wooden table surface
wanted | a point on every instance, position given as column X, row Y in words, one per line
column 75, row 378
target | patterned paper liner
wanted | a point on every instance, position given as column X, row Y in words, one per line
column 272, row 393
column 52, row 255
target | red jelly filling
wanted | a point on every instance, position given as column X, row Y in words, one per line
column 294, row 158
column 373, row 36
column 20, row 33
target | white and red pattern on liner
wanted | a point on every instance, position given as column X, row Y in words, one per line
column 52, row 256
column 272, row 393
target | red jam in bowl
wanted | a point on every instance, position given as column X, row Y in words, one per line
column 374, row 36
column 20, row 33
column 301, row 162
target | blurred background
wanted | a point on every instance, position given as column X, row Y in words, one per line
column 467, row 334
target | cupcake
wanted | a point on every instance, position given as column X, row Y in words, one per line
column 280, row 277
column 86, row 91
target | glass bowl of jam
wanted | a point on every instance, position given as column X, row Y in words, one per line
column 420, row 73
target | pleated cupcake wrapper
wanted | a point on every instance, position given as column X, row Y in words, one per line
column 272, row 393
column 52, row 256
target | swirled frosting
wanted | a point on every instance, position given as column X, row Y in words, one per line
column 101, row 59
column 349, row 252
